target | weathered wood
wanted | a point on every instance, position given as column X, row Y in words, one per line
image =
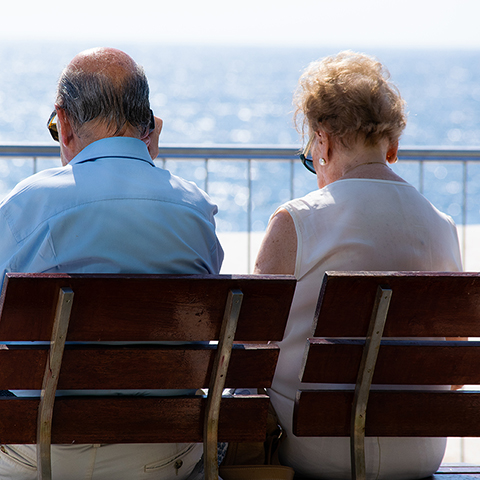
column 364, row 381
column 439, row 363
column 144, row 307
column 423, row 304
column 390, row 413
column 217, row 383
column 50, row 381
column 133, row 419
column 137, row 367
column 151, row 309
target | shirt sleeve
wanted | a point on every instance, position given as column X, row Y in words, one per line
column 8, row 249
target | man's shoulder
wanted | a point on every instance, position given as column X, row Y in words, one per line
column 91, row 185
column 49, row 178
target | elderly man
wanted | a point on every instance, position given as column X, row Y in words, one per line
column 109, row 209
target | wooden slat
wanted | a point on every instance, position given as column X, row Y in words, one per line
column 23, row 368
column 50, row 381
column 401, row 363
column 137, row 367
column 144, row 307
column 445, row 305
column 217, row 384
column 397, row 414
column 133, row 420
column 139, row 308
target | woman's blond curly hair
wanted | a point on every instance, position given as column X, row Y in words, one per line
column 349, row 96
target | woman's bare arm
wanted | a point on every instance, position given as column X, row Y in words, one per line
column 278, row 250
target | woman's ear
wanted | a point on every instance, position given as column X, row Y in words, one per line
column 324, row 144
column 392, row 152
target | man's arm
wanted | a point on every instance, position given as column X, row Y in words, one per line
column 8, row 249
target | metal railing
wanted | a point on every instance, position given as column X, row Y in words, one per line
column 450, row 178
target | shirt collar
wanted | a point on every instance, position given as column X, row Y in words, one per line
column 114, row 147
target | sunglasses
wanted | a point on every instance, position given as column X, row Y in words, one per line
column 308, row 162
column 52, row 124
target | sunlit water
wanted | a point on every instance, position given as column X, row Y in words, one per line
column 243, row 95
column 225, row 95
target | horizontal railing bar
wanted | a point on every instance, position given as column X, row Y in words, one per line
column 29, row 151
column 252, row 152
column 246, row 152
column 439, row 153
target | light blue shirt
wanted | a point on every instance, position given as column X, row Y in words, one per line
column 110, row 210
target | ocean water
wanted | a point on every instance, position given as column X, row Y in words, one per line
column 243, row 95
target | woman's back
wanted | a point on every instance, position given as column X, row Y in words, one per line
column 357, row 224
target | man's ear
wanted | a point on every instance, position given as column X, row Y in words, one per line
column 69, row 141
column 65, row 130
column 151, row 138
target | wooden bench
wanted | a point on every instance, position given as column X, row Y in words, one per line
column 378, row 305
column 61, row 308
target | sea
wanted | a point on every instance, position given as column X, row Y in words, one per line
column 243, row 95
column 210, row 95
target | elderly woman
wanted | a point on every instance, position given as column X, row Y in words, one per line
column 363, row 217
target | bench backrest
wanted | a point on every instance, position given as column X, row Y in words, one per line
column 144, row 309
column 376, row 305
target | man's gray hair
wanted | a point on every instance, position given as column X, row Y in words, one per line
column 87, row 96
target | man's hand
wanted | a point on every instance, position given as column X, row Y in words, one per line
column 151, row 140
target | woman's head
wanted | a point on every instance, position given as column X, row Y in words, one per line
column 350, row 97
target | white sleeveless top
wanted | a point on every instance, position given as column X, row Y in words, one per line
column 357, row 224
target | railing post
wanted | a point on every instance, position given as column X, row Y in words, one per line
column 464, row 210
column 249, row 216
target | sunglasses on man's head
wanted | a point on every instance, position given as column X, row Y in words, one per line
column 52, row 124
column 308, row 162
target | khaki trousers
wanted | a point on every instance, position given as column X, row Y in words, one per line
column 169, row 461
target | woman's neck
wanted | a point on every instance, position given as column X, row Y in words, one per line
column 360, row 162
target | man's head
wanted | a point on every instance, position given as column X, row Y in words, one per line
column 101, row 93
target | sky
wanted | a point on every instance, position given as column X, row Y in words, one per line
column 438, row 24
